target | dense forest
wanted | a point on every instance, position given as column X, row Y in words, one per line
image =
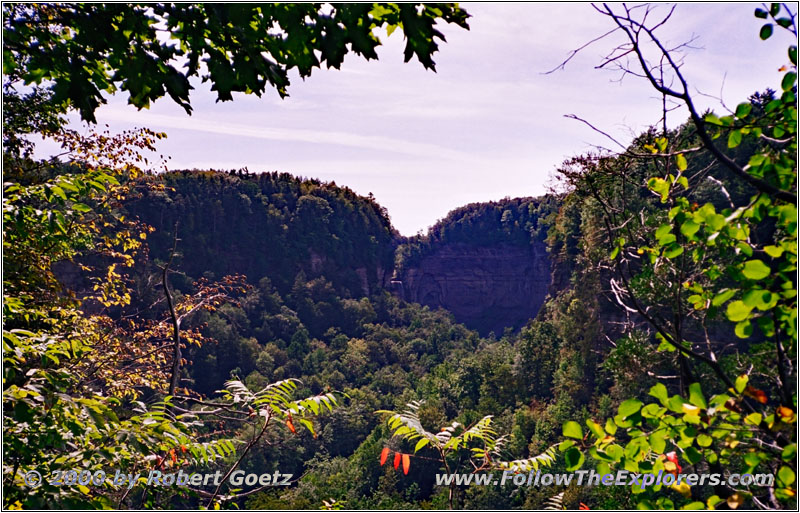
column 209, row 321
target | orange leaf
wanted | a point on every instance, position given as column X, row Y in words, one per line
column 397, row 456
column 735, row 500
column 583, row 506
column 384, row 455
column 756, row 394
column 785, row 413
column 291, row 426
column 406, row 463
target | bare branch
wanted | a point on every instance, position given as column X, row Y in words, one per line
column 632, row 29
column 575, row 52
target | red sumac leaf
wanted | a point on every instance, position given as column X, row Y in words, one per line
column 384, row 455
column 397, row 456
column 406, row 463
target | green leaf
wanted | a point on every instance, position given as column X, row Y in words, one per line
column 722, row 297
column 696, row 396
column 741, row 383
column 755, row 270
column 673, row 251
column 658, row 441
column 738, row 311
column 58, row 191
column 773, row 251
column 784, row 22
column 761, row 13
column 788, row 81
column 572, row 429
column 660, row 187
column 786, row 476
column 574, row 459
column 692, row 455
column 734, row 138
column 703, row 440
column 689, row 228
column 659, row 391
column 680, row 161
column 615, row 452
column 759, row 298
column 793, row 54
column 663, row 344
column 629, row 407
column 753, row 418
column 766, row 31
column 307, row 423
column 566, row 444
column 596, row 429
column 743, row 329
column 789, row 452
column 663, row 231
column 744, row 248
column 422, row 443
column 743, row 109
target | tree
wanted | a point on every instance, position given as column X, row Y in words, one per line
column 152, row 50
column 687, row 270
column 79, row 367
column 478, row 444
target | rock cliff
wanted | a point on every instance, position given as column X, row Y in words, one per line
column 486, row 288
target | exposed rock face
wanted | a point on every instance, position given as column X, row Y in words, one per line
column 486, row 288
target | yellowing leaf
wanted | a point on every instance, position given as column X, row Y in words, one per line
column 680, row 161
column 786, row 414
column 690, row 409
column 683, row 489
column 735, row 500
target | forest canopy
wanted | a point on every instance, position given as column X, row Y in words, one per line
column 208, row 321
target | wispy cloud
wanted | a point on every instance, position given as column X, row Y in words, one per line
column 487, row 124
column 371, row 142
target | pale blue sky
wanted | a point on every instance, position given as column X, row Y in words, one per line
column 489, row 124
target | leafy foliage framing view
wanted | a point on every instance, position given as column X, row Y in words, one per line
column 204, row 320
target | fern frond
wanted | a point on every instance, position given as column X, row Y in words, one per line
column 408, row 426
column 276, row 394
column 544, row 459
column 481, row 430
column 555, row 503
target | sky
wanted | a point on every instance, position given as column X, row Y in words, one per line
column 489, row 124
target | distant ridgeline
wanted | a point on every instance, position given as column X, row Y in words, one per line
column 487, row 263
column 270, row 225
